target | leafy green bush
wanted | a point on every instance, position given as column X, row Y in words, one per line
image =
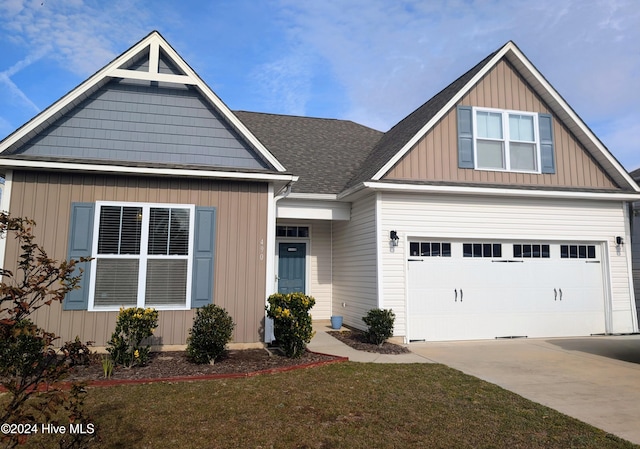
column 380, row 322
column 28, row 360
column 77, row 353
column 212, row 330
column 132, row 327
column 291, row 321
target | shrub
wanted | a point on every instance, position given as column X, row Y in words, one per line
column 291, row 321
column 77, row 353
column 132, row 327
column 28, row 361
column 380, row 322
column 212, row 330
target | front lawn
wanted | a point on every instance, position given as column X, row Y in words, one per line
column 347, row 405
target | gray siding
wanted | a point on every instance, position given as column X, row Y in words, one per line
column 137, row 123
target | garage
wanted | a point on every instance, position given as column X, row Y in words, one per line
column 476, row 289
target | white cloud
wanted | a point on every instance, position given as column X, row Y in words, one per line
column 392, row 56
column 284, row 85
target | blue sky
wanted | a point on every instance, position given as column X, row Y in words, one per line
column 370, row 61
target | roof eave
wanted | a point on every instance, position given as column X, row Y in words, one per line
column 232, row 175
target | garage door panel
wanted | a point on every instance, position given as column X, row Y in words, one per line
column 559, row 293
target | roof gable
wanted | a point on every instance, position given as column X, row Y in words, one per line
column 408, row 132
column 150, row 64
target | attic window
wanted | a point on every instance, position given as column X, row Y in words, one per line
column 506, row 140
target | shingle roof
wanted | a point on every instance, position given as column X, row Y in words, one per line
column 398, row 136
column 332, row 155
column 324, row 153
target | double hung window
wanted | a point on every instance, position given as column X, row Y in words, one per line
column 506, row 140
column 142, row 256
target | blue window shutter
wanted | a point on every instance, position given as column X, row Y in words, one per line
column 465, row 137
column 545, row 125
column 203, row 256
column 80, row 240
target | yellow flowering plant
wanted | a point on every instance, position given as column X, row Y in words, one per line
column 133, row 325
column 291, row 321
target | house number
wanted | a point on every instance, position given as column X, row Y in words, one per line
column 261, row 249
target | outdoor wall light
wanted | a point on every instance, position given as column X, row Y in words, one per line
column 619, row 240
column 393, row 235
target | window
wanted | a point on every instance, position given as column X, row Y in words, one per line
column 292, row 231
column 482, row 250
column 506, row 140
column 577, row 251
column 142, row 256
column 430, row 249
column 531, row 251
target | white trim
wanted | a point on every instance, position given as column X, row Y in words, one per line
column 147, row 76
column 628, row 253
column 6, row 201
column 313, row 210
column 271, row 285
column 113, row 70
column 73, row 166
column 314, row 196
column 500, row 191
column 549, row 94
column 143, row 256
column 379, row 245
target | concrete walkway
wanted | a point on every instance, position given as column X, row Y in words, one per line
column 593, row 379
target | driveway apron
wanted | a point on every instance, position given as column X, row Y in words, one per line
column 594, row 379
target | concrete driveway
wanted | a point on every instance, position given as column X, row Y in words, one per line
column 594, row 379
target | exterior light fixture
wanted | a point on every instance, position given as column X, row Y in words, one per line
column 393, row 235
column 619, row 240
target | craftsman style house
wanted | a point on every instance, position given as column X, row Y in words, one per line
column 490, row 211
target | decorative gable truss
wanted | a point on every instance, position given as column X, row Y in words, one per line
column 145, row 112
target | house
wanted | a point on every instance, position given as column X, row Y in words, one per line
column 490, row 211
column 635, row 243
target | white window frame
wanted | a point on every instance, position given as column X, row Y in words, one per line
column 506, row 139
column 143, row 256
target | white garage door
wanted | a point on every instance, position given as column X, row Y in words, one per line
column 462, row 290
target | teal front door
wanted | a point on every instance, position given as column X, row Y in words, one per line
column 291, row 267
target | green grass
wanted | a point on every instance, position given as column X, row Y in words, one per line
column 348, row 405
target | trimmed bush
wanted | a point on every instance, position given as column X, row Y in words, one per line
column 77, row 353
column 132, row 327
column 212, row 330
column 291, row 321
column 380, row 322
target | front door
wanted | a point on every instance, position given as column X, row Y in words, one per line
column 291, row 267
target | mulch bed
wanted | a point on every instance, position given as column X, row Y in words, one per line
column 174, row 364
column 357, row 340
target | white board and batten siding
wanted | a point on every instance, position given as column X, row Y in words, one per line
column 505, row 219
column 355, row 279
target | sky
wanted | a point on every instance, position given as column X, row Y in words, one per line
column 370, row 61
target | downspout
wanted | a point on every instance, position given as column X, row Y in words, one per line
column 270, row 254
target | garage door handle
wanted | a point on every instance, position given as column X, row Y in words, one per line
column 455, row 291
column 461, row 295
column 555, row 294
column 560, row 294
